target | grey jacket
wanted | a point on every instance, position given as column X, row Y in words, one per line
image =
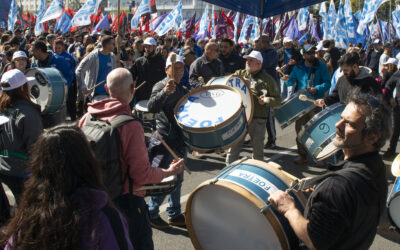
column 87, row 70
column 206, row 69
column 17, row 137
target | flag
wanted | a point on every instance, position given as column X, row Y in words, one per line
column 157, row 22
column 368, row 14
column 103, row 24
column 214, row 33
column 173, row 20
column 304, row 38
column 144, row 8
column 302, row 18
column 153, row 6
column 358, row 15
column 39, row 29
column 249, row 20
column 324, row 15
column 341, row 37
column 64, row 23
column 202, row 32
column 255, row 31
column 293, row 29
column 82, row 17
column 396, row 21
column 236, row 25
column 351, row 31
column 189, row 26
column 54, row 11
column 12, row 15
column 385, row 31
column 316, row 30
column 330, row 31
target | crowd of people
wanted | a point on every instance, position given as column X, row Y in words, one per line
column 64, row 196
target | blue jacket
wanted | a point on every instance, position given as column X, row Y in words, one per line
column 70, row 59
column 58, row 62
column 322, row 78
column 270, row 61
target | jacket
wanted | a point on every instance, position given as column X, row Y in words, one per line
column 17, row 137
column 283, row 59
column 206, row 69
column 149, row 69
column 391, row 85
column 364, row 81
column 134, row 157
column 262, row 81
column 322, row 78
column 233, row 62
column 270, row 61
column 87, row 70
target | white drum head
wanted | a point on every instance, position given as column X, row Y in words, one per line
column 394, row 210
column 223, row 219
column 327, row 151
column 39, row 90
column 209, row 107
column 3, row 119
column 142, row 106
column 169, row 179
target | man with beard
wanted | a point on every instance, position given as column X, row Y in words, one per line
column 343, row 210
column 229, row 57
column 353, row 77
column 313, row 76
column 149, row 68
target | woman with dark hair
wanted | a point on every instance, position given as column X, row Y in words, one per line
column 64, row 205
column 23, row 127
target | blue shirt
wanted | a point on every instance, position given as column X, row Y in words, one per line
column 104, row 69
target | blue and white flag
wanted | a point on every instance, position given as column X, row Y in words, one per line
column 396, row 21
column 236, row 25
column 203, row 26
column 331, row 21
column 358, row 15
column 172, row 21
column 64, row 23
column 54, row 11
column 12, row 15
column 249, row 20
column 103, row 24
column 39, row 28
column 302, row 18
column 143, row 8
column 368, row 14
column 341, row 37
column 214, row 33
column 348, row 14
column 255, row 30
column 2, row 24
column 324, row 15
column 293, row 29
column 82, row 17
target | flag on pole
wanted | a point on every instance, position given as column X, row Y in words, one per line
column 341, row 37
column 331, row 21
column 12, row 15
column 54, row 11
column 214, row 34
column 348, row 14
column 173, row 20
column 249, row 20
column 157, row 22
column 293, row 29
column 255, row 31
column 103, row 24
column 368, row 14
column 64, row 23
column 302, row 18
column 396, row 21
column 202, row 33
column 236, row 25
column 39, row 28
column 144, row 8
column 82, row 17
column 189, row 26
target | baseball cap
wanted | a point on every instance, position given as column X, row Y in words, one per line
column 179, row 59
column 15, row 78
column 150, row 41
column 391, row 61
column 254, row 54
column 287, row 40
column 19, row 54
column 320, row 47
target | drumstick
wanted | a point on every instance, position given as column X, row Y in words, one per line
column 173, row 60
column 171, row 151
column 305, row 98
column 95, row 86
column 279, row 70
column 201, row 79
column 140, row 85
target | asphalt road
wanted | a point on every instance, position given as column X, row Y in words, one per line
column 208, row 167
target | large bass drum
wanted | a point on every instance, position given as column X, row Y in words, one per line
column 48, row 89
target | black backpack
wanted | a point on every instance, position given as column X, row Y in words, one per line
column 104, row 139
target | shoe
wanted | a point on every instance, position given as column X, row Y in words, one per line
column 389, row 154
column 300, row 160
column 159, row 223
column 270, row 145
column 177, row 221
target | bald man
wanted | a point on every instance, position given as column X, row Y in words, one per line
column 206, row 66
column 136, row 169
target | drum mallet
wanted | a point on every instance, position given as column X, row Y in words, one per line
column 305, row 98
column 293, row 185
column 138, row 87
column 201, row 79
column 171, row 151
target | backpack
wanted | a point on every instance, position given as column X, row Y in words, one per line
column 104, row 139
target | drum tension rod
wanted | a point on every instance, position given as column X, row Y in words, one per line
column 294, row 184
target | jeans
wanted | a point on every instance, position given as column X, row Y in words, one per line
column 286, row 91
column 256, row 131
column 271, row 126
column 174, row 199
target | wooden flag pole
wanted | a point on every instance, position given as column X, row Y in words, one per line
column 118, row 37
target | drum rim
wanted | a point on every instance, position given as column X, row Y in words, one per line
column 248, row 87
column 321, row 114
column 279, row 173
column 296, row 95
column 222, row 124
column 388, row 207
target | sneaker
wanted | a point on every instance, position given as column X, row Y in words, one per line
column 159, row 223
column 300, row 160
column 177, row 221
column 389, row 154
column 270, row 145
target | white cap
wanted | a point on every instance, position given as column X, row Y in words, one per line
column 18, row 54
column 320, row 47
column 255, row 54
column 15, row 78
column 179, row 59
column 287, row 40
column 391, row 61
column 150, row 41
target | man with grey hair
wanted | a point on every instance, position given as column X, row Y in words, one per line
column 135, row 165
column 343, row 210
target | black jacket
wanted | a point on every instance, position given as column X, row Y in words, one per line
column 206, row 69
column 149, row 69
column 390, row 85
column 295, row 55
column 233, row 62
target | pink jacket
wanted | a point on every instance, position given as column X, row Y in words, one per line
column 133, row 148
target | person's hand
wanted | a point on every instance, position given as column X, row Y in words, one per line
column 261, row 100
column 85, row 91
column 282, row 201
column 170, row 87
column 247, row 80
column 286, row 78
column 320, row 103
column 312, row 90
column 176, row 167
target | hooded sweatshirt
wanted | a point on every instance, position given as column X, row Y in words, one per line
column 364, row 81
column 134, row 156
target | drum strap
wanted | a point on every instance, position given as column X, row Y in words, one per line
column 312, row 76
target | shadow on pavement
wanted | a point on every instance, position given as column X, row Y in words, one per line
column 175, row 231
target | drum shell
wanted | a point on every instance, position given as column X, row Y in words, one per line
column 394, row 204
column 293, row 109
column 320, row 131
column 57, row 88
column 255, row 195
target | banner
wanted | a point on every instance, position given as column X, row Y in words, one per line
column 54, row 11
column 12, row 15
column 82, row 17
column 368, row 14
column 173, row 20
column 143, row 9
